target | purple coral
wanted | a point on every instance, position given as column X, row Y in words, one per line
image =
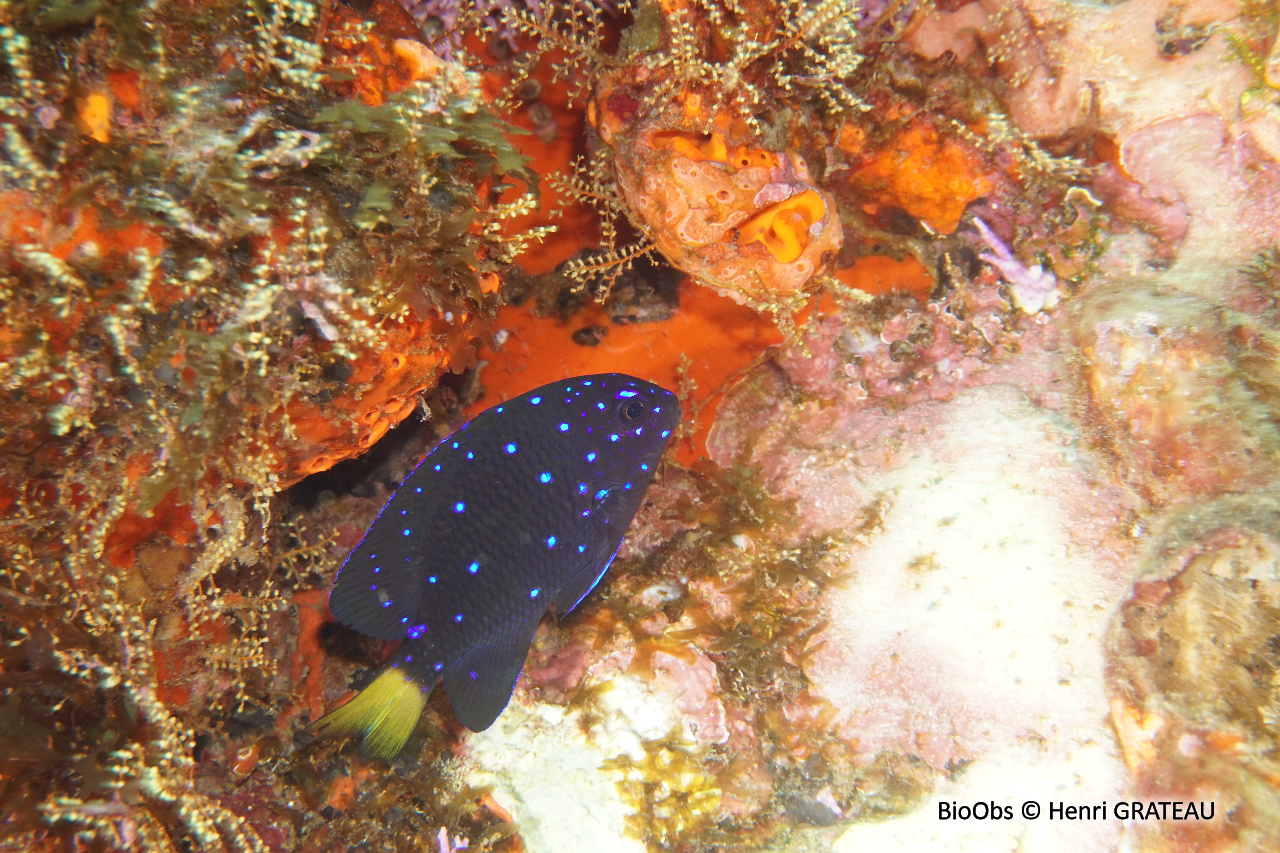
column 1032, row 289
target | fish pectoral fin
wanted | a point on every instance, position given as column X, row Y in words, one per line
column 481, row 681
column 576, row 588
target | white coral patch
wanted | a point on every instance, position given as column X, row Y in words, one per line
column 548, row 774
column 551, row 775
column 972, row 629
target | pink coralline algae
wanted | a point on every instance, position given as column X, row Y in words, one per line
column 695, row 686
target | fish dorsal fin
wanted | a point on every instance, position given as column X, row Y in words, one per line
column 480, row 682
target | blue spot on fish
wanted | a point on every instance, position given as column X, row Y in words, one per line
column 545, row 477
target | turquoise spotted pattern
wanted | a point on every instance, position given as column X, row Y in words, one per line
column 519, row 512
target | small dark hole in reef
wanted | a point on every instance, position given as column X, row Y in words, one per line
column 649, row 292
column 339, row 371
column 241, row 253
column 248, row 719
column 359, row 477
column 900, row 350
column 895, row 220
column 203, row 741
column 590, row 336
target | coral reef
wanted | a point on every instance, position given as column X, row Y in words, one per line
column 240, row 241
column 1180, row 390
column 1192, row 675
column 972, row 308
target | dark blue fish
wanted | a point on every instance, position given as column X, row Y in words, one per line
column 519, row 512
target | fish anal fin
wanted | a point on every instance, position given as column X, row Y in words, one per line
column 385, row 714
column 481, row 681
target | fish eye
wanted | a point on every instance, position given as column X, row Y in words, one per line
column 632, row 410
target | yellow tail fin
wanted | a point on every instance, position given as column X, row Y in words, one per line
column 385, row 713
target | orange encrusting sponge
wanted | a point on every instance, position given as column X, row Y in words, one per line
column 783, row 228
column 879, row 274
column 698, row 147
column 930, row 175
column 718, row 336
